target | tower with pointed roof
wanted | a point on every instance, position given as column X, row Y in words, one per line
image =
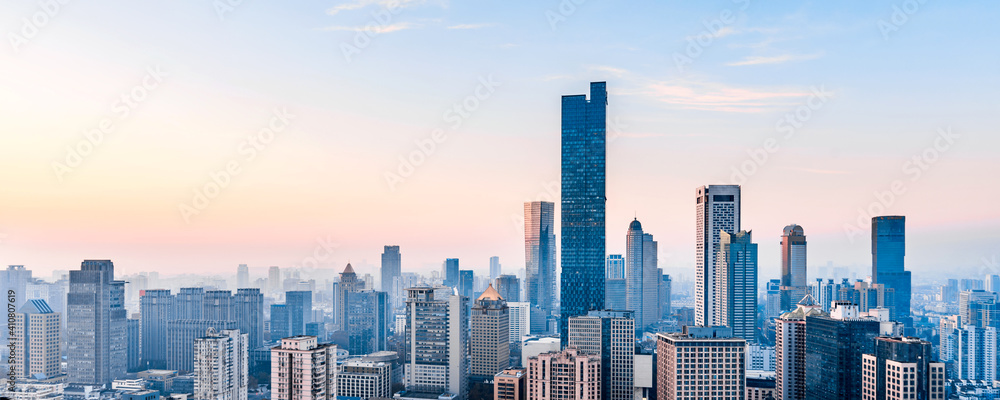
column 490, row 335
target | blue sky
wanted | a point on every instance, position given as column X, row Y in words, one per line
column 887, row 97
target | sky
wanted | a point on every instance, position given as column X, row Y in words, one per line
column 193, row 136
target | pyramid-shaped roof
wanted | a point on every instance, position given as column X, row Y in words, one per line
column 349, row 269
column 490, row 294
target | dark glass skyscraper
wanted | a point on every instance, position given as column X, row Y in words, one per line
column 451, row 272
column 584, row 151
column 540, row 258
column 299, row 305
column 466, row 280
column 888, row 252
column 391, row 271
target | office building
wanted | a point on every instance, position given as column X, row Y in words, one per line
column 616, row 294
column 888, row 253
column 700, row 363
column 759, row 388
column 36, row 341
column 584, row 151
column 772, row 308
column 511, row 384
column 274, row 283
column 181, row 338
column 367, row 321
column 299, row 305
column 495, row 269
column 157, row 310
column 834, row 345
column 436, row 352
column 975, row 352
column 281, row 322
column 641, row 276
column 189, row 303
column 569, row 374
column 349, row 282
column 967, row 298
column 303, row 369
column 248, row 311
column 218, row 306
column 364, row 379
column 391, row 268
column 717, row 210
column 520, row 326
column 736, row 284
column 666, row 310
column 611, row 336
column 133, row 326
column 902, row 368
column 466, row 282
column 97, row 338
column 242, row 276
column 540, row 257
column 490, row 335
column 221, row 365
column 450, row 272
column 793, row 266
column 615, row 267
column 790, row 350
column 509, row 288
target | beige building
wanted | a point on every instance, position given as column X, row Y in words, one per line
column 36, row 339
column 701, row 363
column 303, row 369
column 511, row 384
column 364, row 379
column 490, row 335
column 569, row 374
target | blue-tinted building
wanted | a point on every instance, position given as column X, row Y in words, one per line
column 888, row 252
column 281, row 322
column 367, row 321
column 466, row 281
column 737, row 275
column 299, row 305
column 584, row 150
column 451, row 272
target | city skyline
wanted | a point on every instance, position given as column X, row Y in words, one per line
column 758, row 69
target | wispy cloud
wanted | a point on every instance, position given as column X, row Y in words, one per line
column 618, row 72
column 711, row 96
column 472, row 26
column 759, row 60
column 359, row 4
column 375, row 28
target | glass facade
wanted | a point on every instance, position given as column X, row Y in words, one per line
column 833, row 356
column 888, row 252
column 540, row 256
column 584, row 149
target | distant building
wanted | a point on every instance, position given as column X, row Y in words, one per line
column 36, row 341
column 221, row 365
column 538, row 345
column 181, row 338
column 665, row 292
column 760, row 357
column 569, row 374
column 303, row 369
column 97, row 336
column 901, row 368
column 772, row 308
column 641, row 276
column 281, row 322
column 349, row 282
column 157, row 308
column 450, row 272
column 509, row 287
column 611, row 336
column 466, row 283
column 364, row 379
column 134, row 328
column 683, row 359
column 495, row 269
column 793, row 266
column 299, row 306
column 520, row 326
column 391, row 271
column 242, row 276
column 615, row 267
column 248, row 311
column 511, row 384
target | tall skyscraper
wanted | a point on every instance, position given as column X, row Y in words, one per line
column 190, row 303
column 248, row 310
column 450, row 272
column 303, row 369
column 790, row 350
column 36, row 340
column 888, row 252
column 717, row 210
column 642, row 279
column 490, row 335
column 218, row 305
column 495, row 269
column 391, row 273
column 156, row 310
column 611, row 336
column 300, row 310
column 584, row 151
column 700, row 363
column 569, row 374
column 221, row 365
column 793, row 266
column 96, row 334
column 666, row 289
column 436, row 355
column 901, row 368
column 349, row 282
column 540, row 255
column 367, row 321
column 736, row 284
column 466, row 282
column 273, row 280
column 242, row 276
column 281, row 322
column 509, row 287
column 834, row 345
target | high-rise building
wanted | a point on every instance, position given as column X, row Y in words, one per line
column 274, row 283
column 349, row 282
column 736, row 284
column 790, row 350
column 181, row 338
column 641, row 275
column 96, row 335
column 281, row 322
column 974, row 350
column 665, row 292
column 242, row 276
column 450, row 272
column 36, row 341
column 248, row 311
column 717, row 210
column 300, row 310
column 772, row 308
column 218, row 305
column 569, row 374
column 616, row 294
column 901, row 368
column 436, row 348
column 615, row 267
column 221, row 365
column 511, row 384
column 611, row 336
column 189, row 303
column 700, row 363
column 466, row 282
column 391, row 268
column 993, row 283
column 490, row 335
column 495, row 269
column 303, row 369
column 133, row 326
column 157, row 310
column 520, row 326
column 509, row 287
column 584, row 151
column 540, row 255
column 360, row 379
column 834, row 345
column 793, row 266
column 969, row 297
column 888, row 252
column 367, row 321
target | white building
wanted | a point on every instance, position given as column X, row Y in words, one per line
column 612, row 332
column 437, row 339
column 303, row 369
column 364, row 379
column 535, row 346
column 520, row 320
column 718, row 209
column 221, row 365
column 760, row 357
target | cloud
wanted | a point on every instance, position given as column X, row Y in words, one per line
column 471, row 26
column 375, row 28
column 759, row 60
column 359, row 4
column 711, row 96
column 618, row 72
